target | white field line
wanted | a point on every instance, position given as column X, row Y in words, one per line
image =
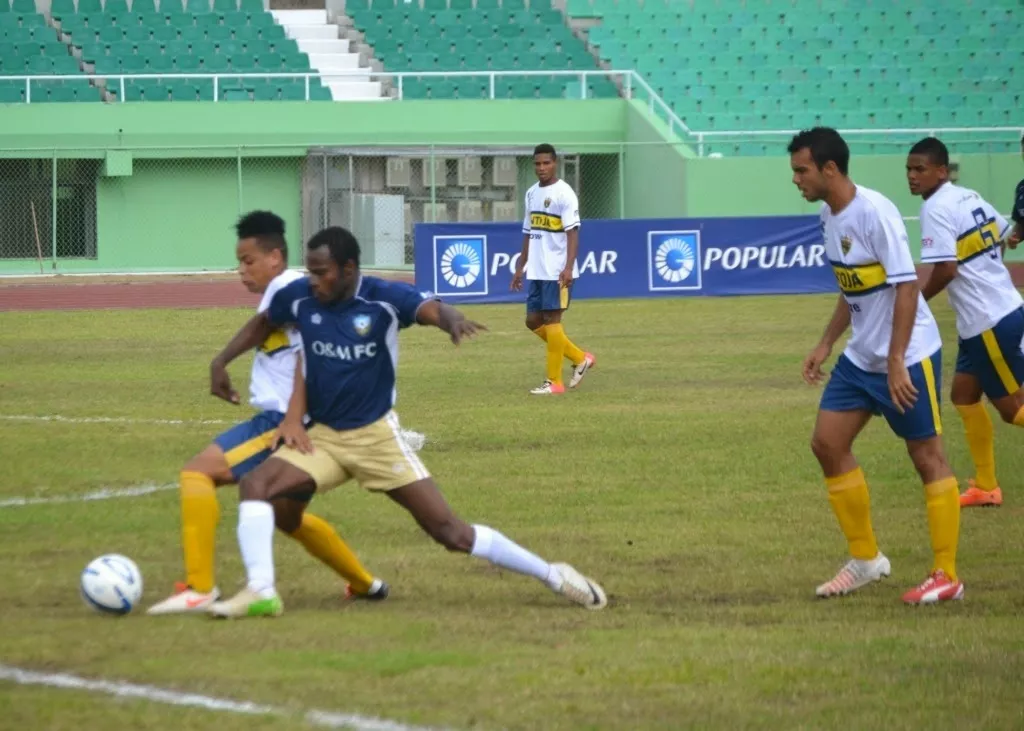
column 112, row 420
column 323, row 719
column 105, row 493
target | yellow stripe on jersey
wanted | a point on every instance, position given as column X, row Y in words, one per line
column 277, row 340
column 979, row 240
column 546, row 222
column 859, row 279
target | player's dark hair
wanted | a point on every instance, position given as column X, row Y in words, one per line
column 825, row 144
column 933, row 149
column 267, row 228
column 545, row 149
column 341, row 243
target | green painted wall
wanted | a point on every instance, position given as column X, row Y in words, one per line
column 655, row 167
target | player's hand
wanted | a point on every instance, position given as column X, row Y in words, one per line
column 901, row 388
column 1013, row 239
column 294, row 435
column 220, row 383
column 565, row 278
column 517, row 280
column 812, row 372
column 465, row 329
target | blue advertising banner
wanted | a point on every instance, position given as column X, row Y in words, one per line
column 474, row 262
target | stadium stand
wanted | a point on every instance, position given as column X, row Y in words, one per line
column 768, row 64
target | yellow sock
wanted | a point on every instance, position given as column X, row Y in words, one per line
column 981, row 441
column 1018, row 419
column 574, row 354
column 556, row 351
column 943, row 499
column 542, row 332
column 199, row 515
column 851, row 503
column 321, row 540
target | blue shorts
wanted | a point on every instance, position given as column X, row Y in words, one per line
column 247, row 445
column 546, row 295
column 852, row 389
column 995, row 356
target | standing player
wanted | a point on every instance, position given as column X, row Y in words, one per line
column 262, row 262
column 891, row 365
column 551, row 241
column 960, row 236
column 349, row 326
column 1018, row 209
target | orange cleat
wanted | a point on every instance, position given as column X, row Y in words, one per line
column 975, row 497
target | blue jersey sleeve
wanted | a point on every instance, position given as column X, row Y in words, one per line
column 405, row 298
column 282, row 309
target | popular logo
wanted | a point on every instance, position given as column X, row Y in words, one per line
column 673, row 260
column 459, row 265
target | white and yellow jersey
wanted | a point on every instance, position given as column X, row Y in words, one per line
column 866, row 244
column 273, row 368
column 551, row 210
column 959, row 225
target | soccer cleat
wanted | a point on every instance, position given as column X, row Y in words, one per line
column 589, row 361
column 975, row 497
column 855, row 574
column 549, row 387
column 247, row 603
column 185, row 600
column 936, row 588
column 378, row 592
column 578, row 588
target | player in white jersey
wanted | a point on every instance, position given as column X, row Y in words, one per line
column 961, row 235
column 263, row 265
column 891, row 366
column 551, row 241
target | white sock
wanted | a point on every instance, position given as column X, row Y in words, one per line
column 491, row 545
column 256, row 541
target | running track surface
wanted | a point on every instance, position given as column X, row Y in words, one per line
column 179, row 293
column 57, row 294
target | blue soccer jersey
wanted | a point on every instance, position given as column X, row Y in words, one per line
column 350, row 348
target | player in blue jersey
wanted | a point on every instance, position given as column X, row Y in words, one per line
column 349, row 325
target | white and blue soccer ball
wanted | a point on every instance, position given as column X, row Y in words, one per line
column 112, row 584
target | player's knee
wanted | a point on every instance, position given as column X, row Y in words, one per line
column 287, row 514
column 253, row 487
column 453, row 534
column 534, row 320
column 929, row 459
column 821, row 448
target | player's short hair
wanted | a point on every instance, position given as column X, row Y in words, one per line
column 932, row 148
column 545, row 149
column 266, row 228
column 340, row 242
column 825, row 144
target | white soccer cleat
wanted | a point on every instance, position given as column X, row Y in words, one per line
column 854, row 575
column 581, row 370
column 548, row 388
column 578, row 588
column 185, row 600
column 414, row 439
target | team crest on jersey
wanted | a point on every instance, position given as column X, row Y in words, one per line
column 316, row 319
column 846, row 243
column 547, row 202
column 362, row 324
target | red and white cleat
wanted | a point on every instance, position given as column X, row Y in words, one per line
column 936, row 588
column 854, row 575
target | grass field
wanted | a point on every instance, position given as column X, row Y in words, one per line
column 679, row 476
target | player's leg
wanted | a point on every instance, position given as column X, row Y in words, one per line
column 581, row 361
column 966, row 394
column 379, row 459
column 846, row 407
column 322, row 541
column 539, row 316
column 921, row 427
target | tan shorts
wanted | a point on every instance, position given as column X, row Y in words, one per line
column 374, row 455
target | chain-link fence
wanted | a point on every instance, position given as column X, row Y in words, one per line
column 169, row 209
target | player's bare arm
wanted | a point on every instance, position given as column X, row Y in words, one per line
column 833, row 331
column 572, row 240
column 517, row 278
column 292, row 431
column 901, row 389
column 250, row 336
column 449, row 319
column 941, row 275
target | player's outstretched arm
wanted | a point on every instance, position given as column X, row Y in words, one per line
column 941, row 275
column 448, row 319
column 812, row 372
column 251, row 335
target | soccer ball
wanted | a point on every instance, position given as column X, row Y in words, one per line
column 112, row 584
